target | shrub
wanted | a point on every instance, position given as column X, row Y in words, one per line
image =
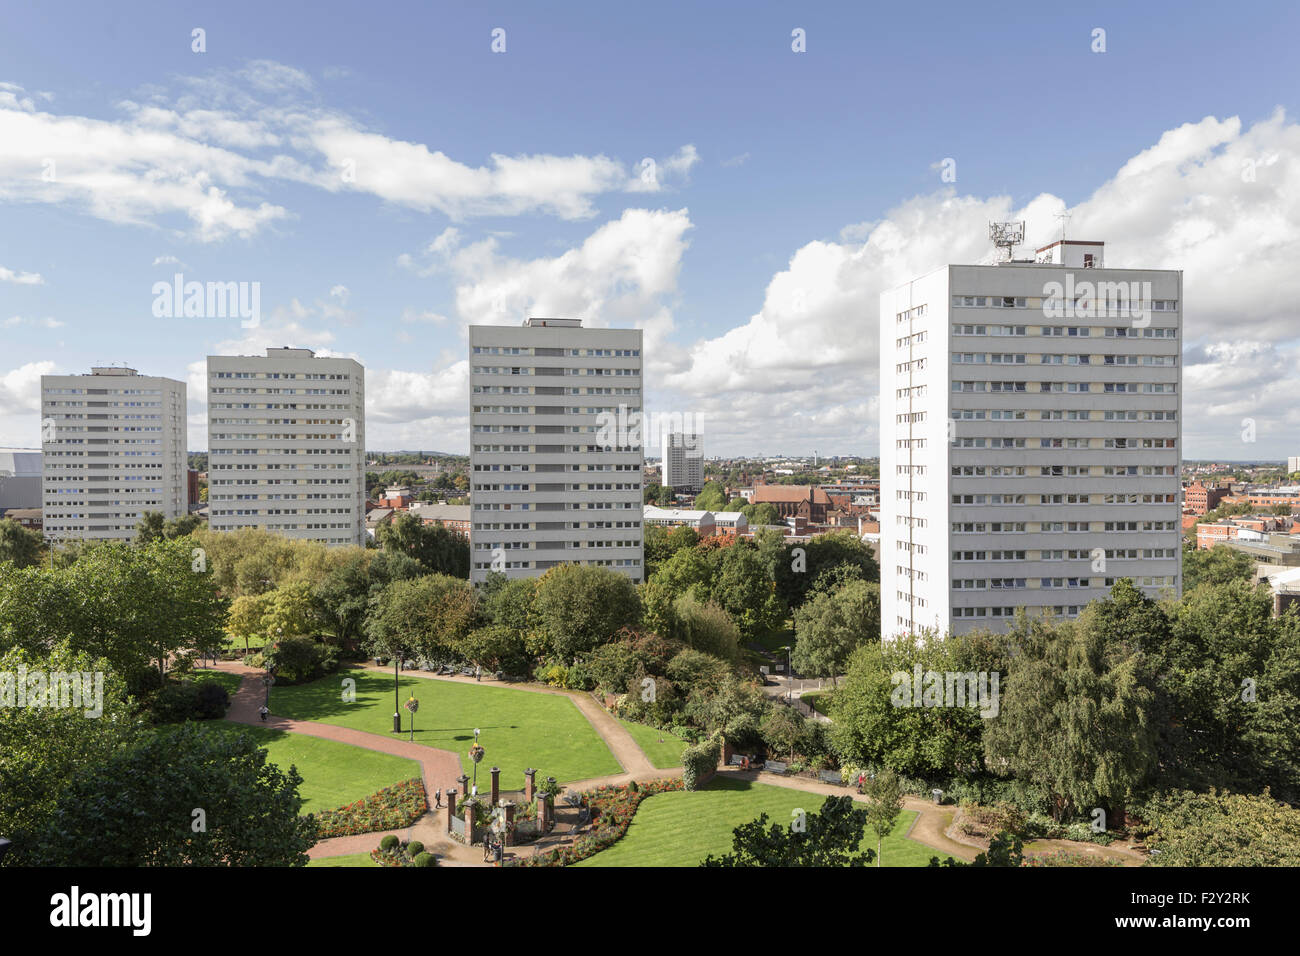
column 299, row 660
column 212, row 701
column 414, row 848
column 188, row 701
column 424, row 859
column 688, row 734
column 388, row 842
column 699, row 761
column 397, row 806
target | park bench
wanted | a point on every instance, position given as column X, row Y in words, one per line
column 774, row 766
column 737, row 760
column 830, row 776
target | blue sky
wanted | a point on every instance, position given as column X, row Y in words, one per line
column 774, row 169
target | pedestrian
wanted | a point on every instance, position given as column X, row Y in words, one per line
column 437, row 796
column 478, row 673
column 262, row 711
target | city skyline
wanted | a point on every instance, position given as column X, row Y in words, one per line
column 379, row 226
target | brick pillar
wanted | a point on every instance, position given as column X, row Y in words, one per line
column 550, row 784
column 463, row 780
column 451, row 807
column 469, row 824
column 530, row 785
column 508, row 837
column 544, row 814
column 726, row 752
column 496, row 784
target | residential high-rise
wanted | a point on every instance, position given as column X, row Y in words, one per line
column 113, row 447
column 286, row 445
column 1030, row 416
column 555, row 448
column 683, row 461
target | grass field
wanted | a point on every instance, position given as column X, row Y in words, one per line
column 662, row 748
column 520, row 729
column 227, row 680
column 352, row 859
column 681, row 829
column 333, row 774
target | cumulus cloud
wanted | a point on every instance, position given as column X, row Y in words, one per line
column 1211, row 198
column 20, row 278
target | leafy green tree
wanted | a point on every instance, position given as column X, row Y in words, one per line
column 43, row 749
column 886, row 796
column 1076, row 711
column 706, row 627
column 830, row 837
column 494, row 648
column 1005, row 849
column 1217, row 565
column 800, row 567
column 340, row 599
column 711, row 498
column 726, row 706
column 246, row 617
column 182, row 525
column 873, row 725
column 426, row 616
column 761, row 513
column 744, row 589
column 150, row 527
column 18, row 544
column 440, row 550
column 782, row 729
column 579, row 607
column 137, row 808
column 831, row 626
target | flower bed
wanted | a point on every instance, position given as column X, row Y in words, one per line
column 612, row 809
column 391, row 808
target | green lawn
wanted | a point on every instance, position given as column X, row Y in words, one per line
column 352, row 859
column 520, row 729
column 662, row 748
column 208, row 676
column 333, row 774
column 681, row 829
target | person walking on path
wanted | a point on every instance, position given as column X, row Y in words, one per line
column 437, row 796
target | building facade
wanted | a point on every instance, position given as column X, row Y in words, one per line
column 113, row 447
column 1030, row 432
column 20, row 478
column 682, row 460
column 286, row 445
column 556, row 457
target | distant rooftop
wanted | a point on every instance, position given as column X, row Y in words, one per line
column 557, row 323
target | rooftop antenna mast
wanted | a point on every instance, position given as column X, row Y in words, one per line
column 1006, row 236
column 1064, row 217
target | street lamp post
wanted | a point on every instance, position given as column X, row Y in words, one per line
column 476, row 754
column 397, row 707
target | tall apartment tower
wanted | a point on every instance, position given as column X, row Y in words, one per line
column 683, row 461
column 555, row 448
column 1030, row 416
column 287, row 445
column 113, row 447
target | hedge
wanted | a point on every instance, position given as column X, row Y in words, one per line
column 700, row 761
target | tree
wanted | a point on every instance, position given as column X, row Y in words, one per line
column 426, row 616
column 439, row 549
column 1077, row 706
column 246, row 616
column 579, row 607
column 830, row 837
column 782, row 729
column 796, row 571
column 886, row 795
column 761, row 513
column 742, row 586
column 138, row 807
column 150, row 527
column 831, row 626
column 182, row 525
column 1217, row 565
column 711, row 498
column 339, row 601
column 18, row 544
column 44, row 749
column 705, row 627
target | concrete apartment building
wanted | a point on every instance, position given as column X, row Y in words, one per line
column 113, row 447
column 286, row 445
column 20, row 479
column 1030, row 431
column 682, row 457
column 556, row 456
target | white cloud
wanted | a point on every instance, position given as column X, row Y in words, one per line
column 20, row 278
column 20, row 395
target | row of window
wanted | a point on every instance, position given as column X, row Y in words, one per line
column 1066, row 331
column 1058, row 527
column 1104, row 388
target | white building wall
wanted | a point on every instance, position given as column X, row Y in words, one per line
column 543, row 490
column 113, row 447
column 286, row 445
column 1057, row 416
